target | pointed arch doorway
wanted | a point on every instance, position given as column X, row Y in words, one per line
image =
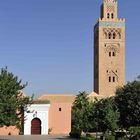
column 36, row 126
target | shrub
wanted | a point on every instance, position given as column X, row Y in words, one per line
column 120, row 134
column 88, row 138
column 49, row 130
column 75, row 134
column 110, row 137
column 134, row 133
column 123, row 138
column 136, row 137
column 134, row 130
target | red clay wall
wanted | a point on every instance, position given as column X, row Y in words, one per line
column 60, row 118
column 12, row 130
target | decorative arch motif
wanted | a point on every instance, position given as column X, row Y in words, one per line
column 112, row 76
column 112, row 33
column 110, row 8
column 112, row 49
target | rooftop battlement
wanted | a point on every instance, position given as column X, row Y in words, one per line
column 109, row 1
column 118, row 23
column 115, row 20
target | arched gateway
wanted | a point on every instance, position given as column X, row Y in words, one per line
column 36, row 119
column 36, row 126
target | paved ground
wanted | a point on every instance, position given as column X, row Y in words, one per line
column 55, row 137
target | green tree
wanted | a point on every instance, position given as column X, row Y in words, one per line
column 128, row 101
column 82, row 113
column 106, row 115
column 12, row 103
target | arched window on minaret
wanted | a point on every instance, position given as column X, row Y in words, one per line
column 112, row 15
column 113, row 54
column 113, row 78
column 109, row 35
column 114, row 35
column 108, row 15
column 109, row 79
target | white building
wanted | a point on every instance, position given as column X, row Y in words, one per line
column 36, row 119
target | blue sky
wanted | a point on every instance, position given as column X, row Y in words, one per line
column 49, row 43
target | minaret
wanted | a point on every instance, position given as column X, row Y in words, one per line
column 109, row 50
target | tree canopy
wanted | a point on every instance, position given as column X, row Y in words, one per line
column 128, row 102
column 12, row 102
column 109, row 114
column 81, row 113
column 106, row 115
column 99, row 115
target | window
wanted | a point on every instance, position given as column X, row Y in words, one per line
column 113, row 79
column 108, row 15
column 112, row 15
column 114, row 35
column 109, row 35
column 113, row 54
column 109, row 79
column 60, row 109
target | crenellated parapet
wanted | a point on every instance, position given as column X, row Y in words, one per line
column 115, row 20
column 118, row 23
column 109, row 1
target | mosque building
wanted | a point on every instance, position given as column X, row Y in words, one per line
column 109, row 73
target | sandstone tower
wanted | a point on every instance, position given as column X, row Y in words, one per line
column 109, row 50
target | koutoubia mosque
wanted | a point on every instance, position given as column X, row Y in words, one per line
column 109, row 74
column 109, row 50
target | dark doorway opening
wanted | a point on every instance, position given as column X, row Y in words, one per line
column 36, row 127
